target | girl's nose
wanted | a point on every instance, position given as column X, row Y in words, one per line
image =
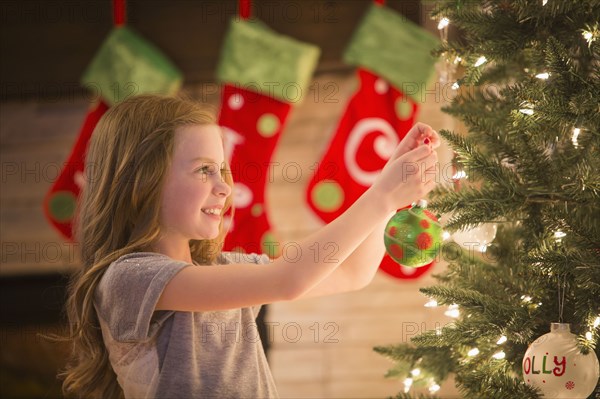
column 222, row 189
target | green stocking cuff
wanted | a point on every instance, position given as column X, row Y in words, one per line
column 128, row 65
column 259, row 59
column 395, row 48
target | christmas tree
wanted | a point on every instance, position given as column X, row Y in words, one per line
column 529, row 96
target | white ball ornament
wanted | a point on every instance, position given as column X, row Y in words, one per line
column 554, row 364
column 476, row 238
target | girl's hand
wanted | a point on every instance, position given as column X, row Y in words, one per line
column 415, row 137
column 410, row 173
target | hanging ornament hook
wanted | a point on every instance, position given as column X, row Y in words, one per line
column 562, row 287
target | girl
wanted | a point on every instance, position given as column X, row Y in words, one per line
column 153, row 312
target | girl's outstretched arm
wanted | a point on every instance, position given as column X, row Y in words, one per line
column 358, row 270
column 241, row 285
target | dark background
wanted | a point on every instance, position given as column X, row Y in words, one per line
column 46, row 45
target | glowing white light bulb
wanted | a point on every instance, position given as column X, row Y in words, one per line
column 407, row 384
column 544, row 2
column 461, row 174
column 480, row 61
column 559, row 234
column 452, row 311
column 443, row 23
column 416, row 372
column 431, row 304
column 446, row 235
column 597, row 322
column 455, row 86
column 473, row 352
column 543, row 76
column 501, row 340
column 434, row 388
column 526, row 298
column 499, row 355
column 576, row 132
column 588, row 335
column 527, row 108
column 588, row 36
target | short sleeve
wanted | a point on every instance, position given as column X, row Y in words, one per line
column 261, row 259
column 128, row 292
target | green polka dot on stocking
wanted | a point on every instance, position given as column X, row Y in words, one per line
column 269, row 244
column 403, row 108
column 256, row 210
column 267, row 125
column 62, row 205
column 328, row 196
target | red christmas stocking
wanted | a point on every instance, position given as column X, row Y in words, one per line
column 393, row 62
column 125, row 64
column 61, row 200
column 252, row 124
column 263, row 73
column 375, row 120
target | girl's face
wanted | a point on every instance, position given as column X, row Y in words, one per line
column 194, row 191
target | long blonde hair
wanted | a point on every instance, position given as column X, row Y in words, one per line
column 118, row 213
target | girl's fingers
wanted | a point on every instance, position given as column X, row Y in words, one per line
column 401, row 149
column 420, row 153
column 420, row 135
column 435, row 139
column 419, row 130
column 414, row 137
column 431, row 138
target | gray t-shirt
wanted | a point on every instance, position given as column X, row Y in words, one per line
column 172, row 354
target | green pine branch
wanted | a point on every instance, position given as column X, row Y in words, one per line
column 531, row 156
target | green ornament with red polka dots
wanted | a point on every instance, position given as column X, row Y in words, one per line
column 413, row 236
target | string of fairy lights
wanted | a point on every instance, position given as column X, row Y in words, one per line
column 590, row 34
column 453, row 311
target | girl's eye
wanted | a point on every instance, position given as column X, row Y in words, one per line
column 208, row 169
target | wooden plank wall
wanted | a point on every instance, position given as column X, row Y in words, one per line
column 36, row 141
